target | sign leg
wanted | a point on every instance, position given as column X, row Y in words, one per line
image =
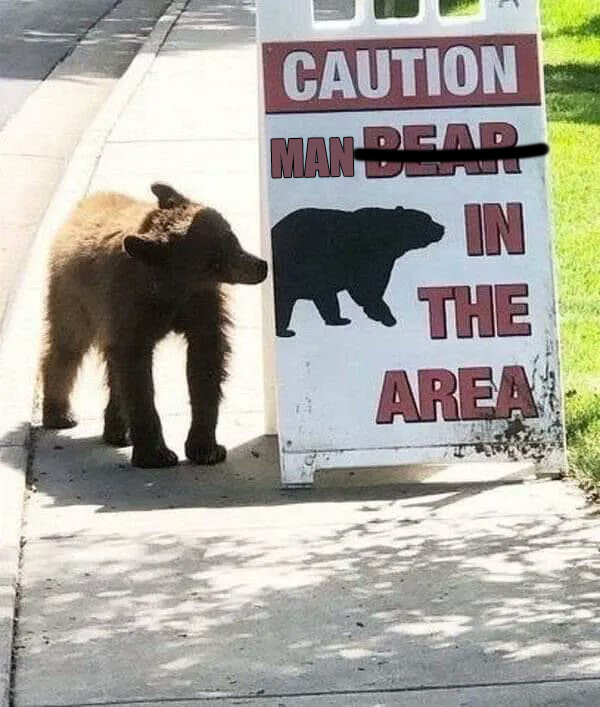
column 297, row 470
column 544, row 472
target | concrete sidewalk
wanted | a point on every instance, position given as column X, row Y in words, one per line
column 423, row 586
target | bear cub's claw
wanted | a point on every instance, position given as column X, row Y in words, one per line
column 153, row 458
column 205, row 456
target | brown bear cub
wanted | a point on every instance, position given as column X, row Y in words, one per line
column 123, row 274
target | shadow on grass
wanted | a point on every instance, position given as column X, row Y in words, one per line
column 584, row 411
column 572, row 92
column 589, row 28
column 583, row 438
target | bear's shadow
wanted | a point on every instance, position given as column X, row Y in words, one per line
column 83, row 471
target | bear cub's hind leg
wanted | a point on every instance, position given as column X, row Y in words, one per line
column 69, row 337
column 59, row 369
column 115, row 422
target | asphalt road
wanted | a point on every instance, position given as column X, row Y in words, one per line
column 83, row 46
column 35, row 35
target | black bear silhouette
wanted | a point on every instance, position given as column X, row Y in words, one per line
column 320, row 252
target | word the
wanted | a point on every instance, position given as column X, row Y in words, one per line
column 492, row 307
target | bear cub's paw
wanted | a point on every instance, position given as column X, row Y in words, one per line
column 116, row 438
column 54, row 419
column 205, row 455
column 286, row 333
column 156, row 458
column 115, row 430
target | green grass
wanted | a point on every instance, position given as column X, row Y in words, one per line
column 459, row 7
column 571, row 30
column 401, row 8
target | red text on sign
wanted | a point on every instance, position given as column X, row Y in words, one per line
column 455, row 397
column 288, row 158
column 492, row 307
column 457, row 136
column 398, row 74
column 489, row 226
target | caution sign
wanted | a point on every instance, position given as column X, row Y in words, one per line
column 413, row 303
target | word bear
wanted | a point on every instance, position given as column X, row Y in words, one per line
column 122, row 275
column 320, row 252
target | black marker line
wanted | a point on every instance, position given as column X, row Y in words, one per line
column 491, row 153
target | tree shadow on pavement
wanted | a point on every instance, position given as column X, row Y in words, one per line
column 214, row 25
column 265, row 605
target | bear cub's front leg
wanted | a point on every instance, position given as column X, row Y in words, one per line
column 205, row 373
column 133, row 368
column 201, row 450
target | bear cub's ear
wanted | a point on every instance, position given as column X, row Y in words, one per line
column 145, row 250
column 167, row 197
column 399, row 208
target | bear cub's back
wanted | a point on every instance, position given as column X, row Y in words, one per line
column 98, row 225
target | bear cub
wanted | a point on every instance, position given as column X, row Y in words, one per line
column 123, row 274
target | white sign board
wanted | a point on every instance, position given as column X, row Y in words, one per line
column 414, row 304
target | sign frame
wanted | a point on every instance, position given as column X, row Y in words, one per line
column 280, row 22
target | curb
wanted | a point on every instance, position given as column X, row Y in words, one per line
column 21, row 332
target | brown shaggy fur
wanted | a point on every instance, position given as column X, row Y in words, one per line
column 123, row 274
